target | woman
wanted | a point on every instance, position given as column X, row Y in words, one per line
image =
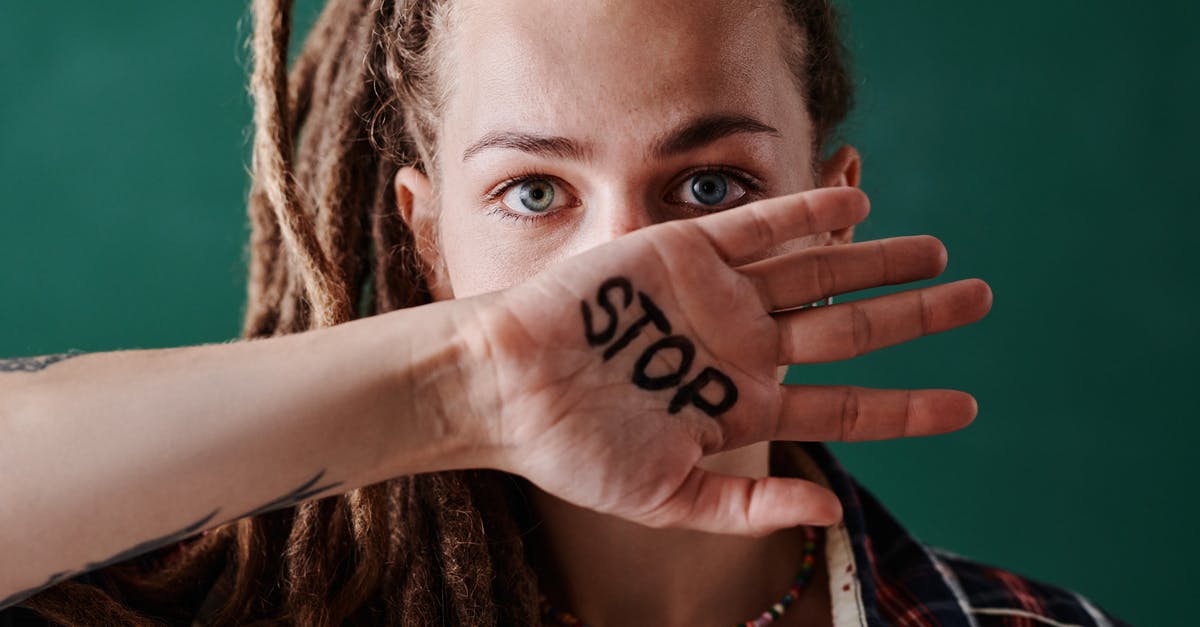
column 496, row 159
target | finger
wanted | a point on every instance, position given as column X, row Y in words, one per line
column 804, row 276
column 726, row 504
column 851, row 329
column 739, row 233
column 849, row 413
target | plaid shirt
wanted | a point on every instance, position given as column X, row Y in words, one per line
column 880, row 575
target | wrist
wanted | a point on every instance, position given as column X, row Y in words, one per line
column 432, row 418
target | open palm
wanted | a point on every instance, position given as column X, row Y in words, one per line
column 616, row 370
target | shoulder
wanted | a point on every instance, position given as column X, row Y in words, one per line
column 995, row 596
column 890, row 577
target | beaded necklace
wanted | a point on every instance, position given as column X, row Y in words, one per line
column 555, row 616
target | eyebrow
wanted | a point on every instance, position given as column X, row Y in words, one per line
column 542, row 145
column 690, row 135
column 705, row 130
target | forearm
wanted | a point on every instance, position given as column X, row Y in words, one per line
column 106, row 456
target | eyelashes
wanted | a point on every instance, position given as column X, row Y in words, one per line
column 715, row 188
column 533, row 196
column 511, row 179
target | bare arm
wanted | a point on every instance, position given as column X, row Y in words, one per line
column 604, row 380
column 106, row 456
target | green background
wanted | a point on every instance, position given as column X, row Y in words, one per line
column 1048, row 144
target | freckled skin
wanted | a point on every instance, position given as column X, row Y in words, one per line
column 613, row 77
column 544, row 66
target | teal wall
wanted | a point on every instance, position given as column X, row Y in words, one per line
column 1048, row 144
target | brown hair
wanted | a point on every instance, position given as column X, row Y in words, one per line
column 327, row 245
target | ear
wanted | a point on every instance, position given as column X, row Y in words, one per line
column 417, row 206
column 842, row 169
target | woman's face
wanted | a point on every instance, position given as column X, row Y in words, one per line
column 568, row 124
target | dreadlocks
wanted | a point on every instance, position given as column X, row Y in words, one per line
column 327, row 245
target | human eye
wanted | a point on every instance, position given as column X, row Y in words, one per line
column 713, row 189
column 528, row 197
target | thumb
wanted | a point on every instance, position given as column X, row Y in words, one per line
column 716, row 503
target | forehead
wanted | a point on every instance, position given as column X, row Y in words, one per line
column 600, row 70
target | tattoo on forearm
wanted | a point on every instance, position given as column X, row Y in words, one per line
column 688, row 393
column 34, row 364
column 305, row 491
column 143, row 547
column 302, row 493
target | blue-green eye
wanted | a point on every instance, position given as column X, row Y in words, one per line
column 709, row 189
column 530, row 197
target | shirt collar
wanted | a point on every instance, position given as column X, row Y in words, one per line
column 879, row 574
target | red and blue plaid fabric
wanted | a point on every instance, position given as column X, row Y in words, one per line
column 909, row 584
